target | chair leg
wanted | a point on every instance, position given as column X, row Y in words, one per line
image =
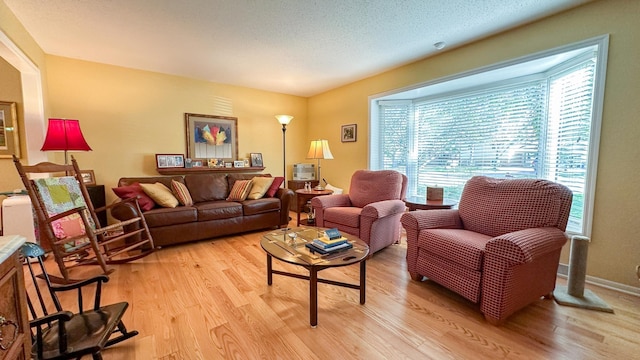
column 96, row 356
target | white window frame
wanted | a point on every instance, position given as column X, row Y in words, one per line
column 506, row 70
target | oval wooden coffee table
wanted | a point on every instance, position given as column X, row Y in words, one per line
column 277, row 244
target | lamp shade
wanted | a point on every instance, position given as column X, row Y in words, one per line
column 64, row 134
column 284, row 119
column 319, row 149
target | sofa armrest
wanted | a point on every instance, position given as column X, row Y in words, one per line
column 527, row 245
column 286, row 198
column 431, row 219
column 383, row 208
column 125, row 210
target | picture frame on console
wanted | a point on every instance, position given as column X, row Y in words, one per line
column 256, row 160
column 88, row 177
column 211, row 136
column 164, row 161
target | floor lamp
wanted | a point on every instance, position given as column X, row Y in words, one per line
column 284, row 120
column 64, row 135
column 319, row 149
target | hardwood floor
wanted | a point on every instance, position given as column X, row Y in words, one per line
column 210, row 300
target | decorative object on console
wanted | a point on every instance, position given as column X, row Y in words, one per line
column 319, row 149
column 169, row 161
column 9, row 137
column 64, row 135
column 284, row 120
column 256, row 159
column 238, row 163
column 210, row 136
column 349, row 133
column 88, row 177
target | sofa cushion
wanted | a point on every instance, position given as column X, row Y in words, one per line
column 349, row 216
column 132, row 191
column 182, row 193
column 462, row 247
column 259, row 206
column 170, row 216
column 259, row 187
column 207, row 187
column 240, row 190
column 217, row 210
column 161, row 194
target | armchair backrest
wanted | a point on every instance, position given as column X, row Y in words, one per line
column 498, row 206
column 369, row 186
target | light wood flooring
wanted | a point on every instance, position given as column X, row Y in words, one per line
column 210, row 300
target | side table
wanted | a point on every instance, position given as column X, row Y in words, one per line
column 302, row 196
column 299, row 184
column 415, row 203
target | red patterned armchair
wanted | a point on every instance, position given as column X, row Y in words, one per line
column 371, row 210
column 500, row 248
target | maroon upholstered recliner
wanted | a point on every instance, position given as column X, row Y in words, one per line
column 500, row 248
column 371, row 210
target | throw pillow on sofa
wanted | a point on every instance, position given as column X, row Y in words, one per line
column 182, row 193
column 277, row 181
column 161, row 194
column 240, row 190
column 259, row 187
column 135, row 190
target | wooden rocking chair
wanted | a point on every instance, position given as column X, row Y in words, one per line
column 69, row 224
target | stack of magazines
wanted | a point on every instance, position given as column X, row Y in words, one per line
column 331, row 242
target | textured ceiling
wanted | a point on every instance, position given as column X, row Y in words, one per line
column 299, row 47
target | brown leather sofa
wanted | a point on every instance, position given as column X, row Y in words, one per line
column 211, row 214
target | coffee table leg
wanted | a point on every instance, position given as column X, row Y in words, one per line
column 363, row 280
column 313, row 297
column 269, row 273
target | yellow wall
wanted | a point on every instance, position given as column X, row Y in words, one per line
column 615, row 248
column 128, row 116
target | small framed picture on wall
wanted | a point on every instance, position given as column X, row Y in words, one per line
column 349, row 133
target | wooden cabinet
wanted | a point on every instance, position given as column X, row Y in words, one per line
column 15, row 336
column 96, row 193
column 297, row 185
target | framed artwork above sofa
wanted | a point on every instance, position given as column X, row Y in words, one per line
column 211, row 136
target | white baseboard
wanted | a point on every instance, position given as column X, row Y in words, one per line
column 563, row 271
